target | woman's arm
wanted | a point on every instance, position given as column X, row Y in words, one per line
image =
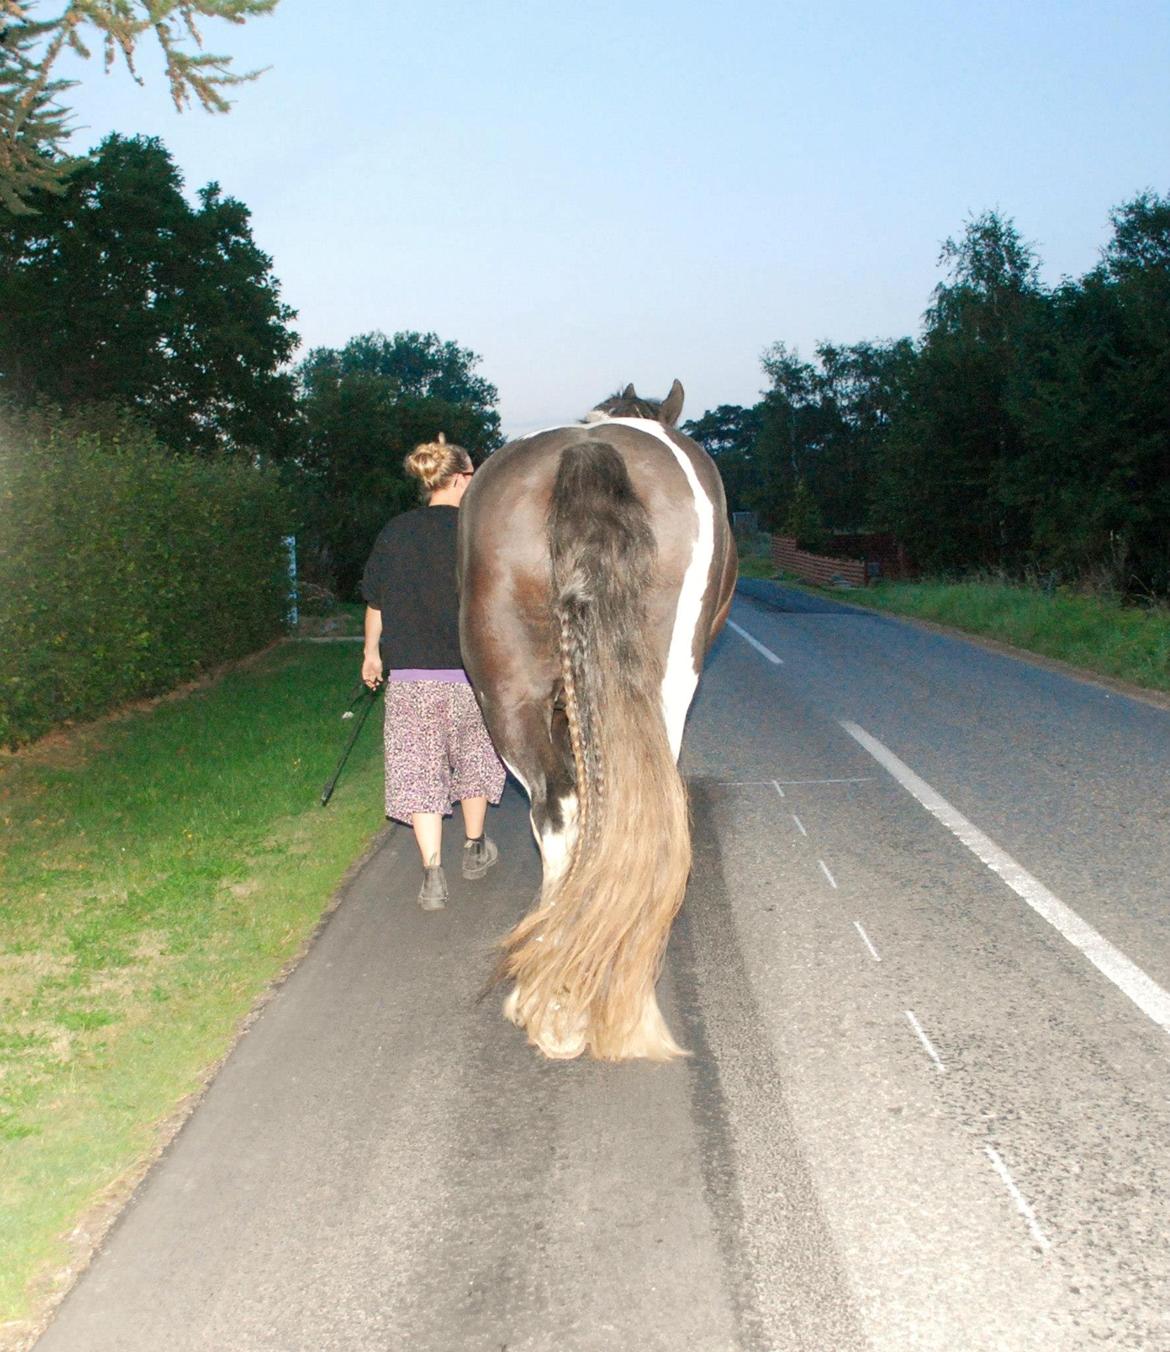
column 372, row 657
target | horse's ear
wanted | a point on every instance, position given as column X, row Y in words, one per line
column 671, row 406
column 628, row 392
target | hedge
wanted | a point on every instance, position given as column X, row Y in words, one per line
column 124, row 568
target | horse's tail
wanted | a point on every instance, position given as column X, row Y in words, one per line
column 586, row 961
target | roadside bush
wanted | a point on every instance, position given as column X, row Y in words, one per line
column 124, row 569
column 804, row 522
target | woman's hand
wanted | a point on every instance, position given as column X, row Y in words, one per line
column 372, row 669
column 372, row 660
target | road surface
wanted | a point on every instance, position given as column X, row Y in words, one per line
column 923, row 970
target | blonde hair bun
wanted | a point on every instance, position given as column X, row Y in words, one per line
column 435, row 463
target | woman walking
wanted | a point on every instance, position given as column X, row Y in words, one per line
column 437, row 749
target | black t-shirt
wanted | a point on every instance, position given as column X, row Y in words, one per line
column 410, row 578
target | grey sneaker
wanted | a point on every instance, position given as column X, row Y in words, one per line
column 478, row 856
column 432, row 895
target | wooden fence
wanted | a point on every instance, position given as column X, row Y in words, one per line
column 819, row 568
column 858, row 560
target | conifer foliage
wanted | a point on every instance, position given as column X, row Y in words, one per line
column 34, row 124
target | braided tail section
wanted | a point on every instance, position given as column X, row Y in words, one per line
column 586, row 961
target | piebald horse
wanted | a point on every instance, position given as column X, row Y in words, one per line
column 596, row 567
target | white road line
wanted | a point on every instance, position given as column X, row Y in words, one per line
column 1018, row 1197
column 776, row 783
column 1152, row 999
column 865, row 939
column 858, row 779
column 825, row 871
column 799, row 825
column 755, row 642
column 930, row 1051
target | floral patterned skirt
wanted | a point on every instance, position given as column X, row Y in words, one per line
column 438, row 751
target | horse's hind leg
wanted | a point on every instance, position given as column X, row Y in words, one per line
column 533, row 743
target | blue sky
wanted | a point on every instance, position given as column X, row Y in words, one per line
column 596, row 192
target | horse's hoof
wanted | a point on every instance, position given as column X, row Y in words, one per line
column 512, row 1008
column 559, row 1048
column 555, row 1042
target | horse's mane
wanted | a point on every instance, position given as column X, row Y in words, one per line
column 625, row 404
column 628, row 404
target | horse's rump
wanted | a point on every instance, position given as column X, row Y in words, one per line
column 587, row 959
column 596, row 565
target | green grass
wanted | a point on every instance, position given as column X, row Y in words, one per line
column 159, row 870
column 342, row 620
column 755, row 555
column 1096, row 633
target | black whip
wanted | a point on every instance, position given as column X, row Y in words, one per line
column 367, row 704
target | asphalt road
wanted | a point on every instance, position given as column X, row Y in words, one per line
column 923, row 969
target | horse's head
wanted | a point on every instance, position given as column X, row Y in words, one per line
column 628, row 405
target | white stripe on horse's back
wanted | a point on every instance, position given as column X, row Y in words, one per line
column 678, row 684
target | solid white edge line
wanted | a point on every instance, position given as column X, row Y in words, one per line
column 1018, row 1197
column 926, row 1042
column 775, row 783
column 865, row 939
column 755, row 642
column 825, row 871
column 1111, row 962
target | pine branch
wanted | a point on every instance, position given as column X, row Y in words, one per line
column 33, row 128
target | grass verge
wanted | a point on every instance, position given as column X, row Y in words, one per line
column 159, row 870
column 1095, row 633
column 755, row 555
column 341, row 620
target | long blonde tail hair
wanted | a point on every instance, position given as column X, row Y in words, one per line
column 585, row 962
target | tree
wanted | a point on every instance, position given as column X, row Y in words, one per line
column 118, row 291
column 1092, row 395
column 789, row 430
column 804, row 522
column 955, row 440
column 1026, row 430
column 364, row 407
column 860, row 387
column 823, row 425
column 729, row 429
column 34, row 126
column 728, row 434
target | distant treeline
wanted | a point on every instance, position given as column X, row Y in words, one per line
column 120, row 297
column 156, row 445
column 1027, row 429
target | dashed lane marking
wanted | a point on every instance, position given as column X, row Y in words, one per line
column 755, row 642
column 856, row 779
column 1152, row 999
column 867, row 941
column 1018, row 1197
column 926, row 1042
column 825, row 871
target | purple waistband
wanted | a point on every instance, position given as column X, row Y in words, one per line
column 448, row 675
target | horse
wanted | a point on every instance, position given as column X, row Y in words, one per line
column 596, row 566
